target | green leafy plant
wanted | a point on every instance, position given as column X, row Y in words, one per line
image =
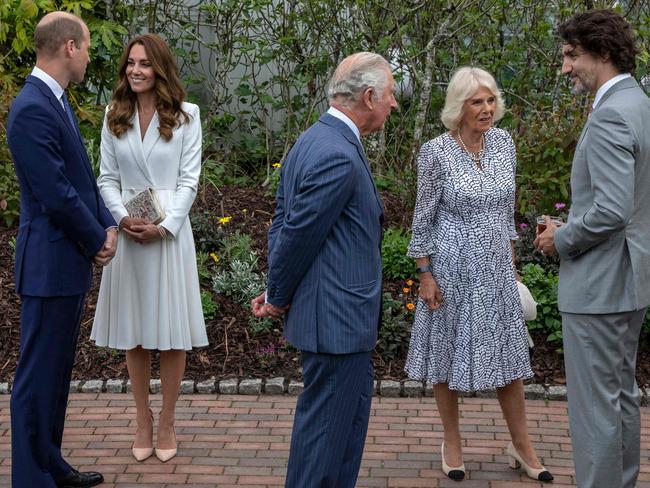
column 260, row 325
column 395, row 331
column 237, row 246
column 208, row 234
column 210, row 307
column 273, row 180
column 395, row 263
column 204, row 264
column 241, row 282
column 543, row 286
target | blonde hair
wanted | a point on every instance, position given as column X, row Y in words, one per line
column 462, row 86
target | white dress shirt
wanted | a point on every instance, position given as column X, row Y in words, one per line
column 348, row 121
column 51, row 83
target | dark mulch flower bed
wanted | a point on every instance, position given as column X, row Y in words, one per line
column 233, row 351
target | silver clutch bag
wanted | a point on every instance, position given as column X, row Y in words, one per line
column 145, row 205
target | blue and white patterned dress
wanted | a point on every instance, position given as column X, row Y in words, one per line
column 464, row 222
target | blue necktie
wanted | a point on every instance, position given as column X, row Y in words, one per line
column 68, row 110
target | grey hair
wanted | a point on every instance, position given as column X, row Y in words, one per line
column 462, row 86
column 355, row 74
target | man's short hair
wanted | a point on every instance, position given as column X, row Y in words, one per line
column 50, row 35
column 355, row 74
column 602, row 33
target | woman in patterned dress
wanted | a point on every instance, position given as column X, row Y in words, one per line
column 469, row 331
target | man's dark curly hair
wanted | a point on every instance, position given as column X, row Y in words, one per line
column 602, row 33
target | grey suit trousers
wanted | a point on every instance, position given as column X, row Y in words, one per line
column 604, row 418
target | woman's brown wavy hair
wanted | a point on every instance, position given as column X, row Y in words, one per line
column 169, row 90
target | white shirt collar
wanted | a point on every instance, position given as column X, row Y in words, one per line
column 607, row 85
column 348, row 121
column 50, row 82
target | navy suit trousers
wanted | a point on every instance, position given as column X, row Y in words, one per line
column 331, row 421
column 48, row 337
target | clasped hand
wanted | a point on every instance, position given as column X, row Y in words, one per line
column 108, row 250
column 140, row 230
column 266, row 310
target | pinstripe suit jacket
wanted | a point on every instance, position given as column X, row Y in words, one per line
column 325, row 243
column 604, row 251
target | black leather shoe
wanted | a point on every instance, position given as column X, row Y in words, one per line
column 75, row 479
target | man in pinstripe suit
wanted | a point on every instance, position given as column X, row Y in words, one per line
column 325, row 273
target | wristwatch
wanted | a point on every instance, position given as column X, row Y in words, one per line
column 424, row 269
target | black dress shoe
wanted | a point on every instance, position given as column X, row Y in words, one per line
column 75, row 479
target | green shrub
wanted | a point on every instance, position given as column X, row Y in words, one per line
column 396, row 265
column 258, row 326
column 273, row 180
column 543, row 286
column 395, row 330
column 208, row 234
column 210, row 307
column 240, row 282
column 237, row 246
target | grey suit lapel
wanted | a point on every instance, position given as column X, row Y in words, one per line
column 582, row 134
column 625, row 84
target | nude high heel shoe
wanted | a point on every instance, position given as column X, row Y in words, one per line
column 166, row 454
column 516, row 461
column 456, row 473
column 142, row 453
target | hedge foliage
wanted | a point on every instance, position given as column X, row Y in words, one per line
column 259, row 70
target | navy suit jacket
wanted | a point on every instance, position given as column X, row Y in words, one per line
column 325, row 243
column 63, row 219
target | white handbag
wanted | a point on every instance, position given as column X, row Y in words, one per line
column 529, row 307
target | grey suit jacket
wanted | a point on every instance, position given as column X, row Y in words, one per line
column 605, row 246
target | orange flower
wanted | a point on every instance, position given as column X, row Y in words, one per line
column 406, row 290
column 409, row 282
column 410, row 306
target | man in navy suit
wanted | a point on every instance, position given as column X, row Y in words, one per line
column 325, row 272
column 64, row 227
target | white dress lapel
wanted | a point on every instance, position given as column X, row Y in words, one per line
column 136, row 145
column 151, row 137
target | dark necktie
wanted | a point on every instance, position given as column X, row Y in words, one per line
column 68, row 110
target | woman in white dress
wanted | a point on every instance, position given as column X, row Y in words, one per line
column 469, row 331
column 149, row 298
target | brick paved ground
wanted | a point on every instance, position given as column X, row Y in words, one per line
column 243, row 441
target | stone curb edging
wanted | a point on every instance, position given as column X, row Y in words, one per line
column 280, row 386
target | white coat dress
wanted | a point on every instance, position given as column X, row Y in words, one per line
column 149, row 294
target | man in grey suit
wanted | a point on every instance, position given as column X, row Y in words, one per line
column 604, row 251
column 325, row 272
